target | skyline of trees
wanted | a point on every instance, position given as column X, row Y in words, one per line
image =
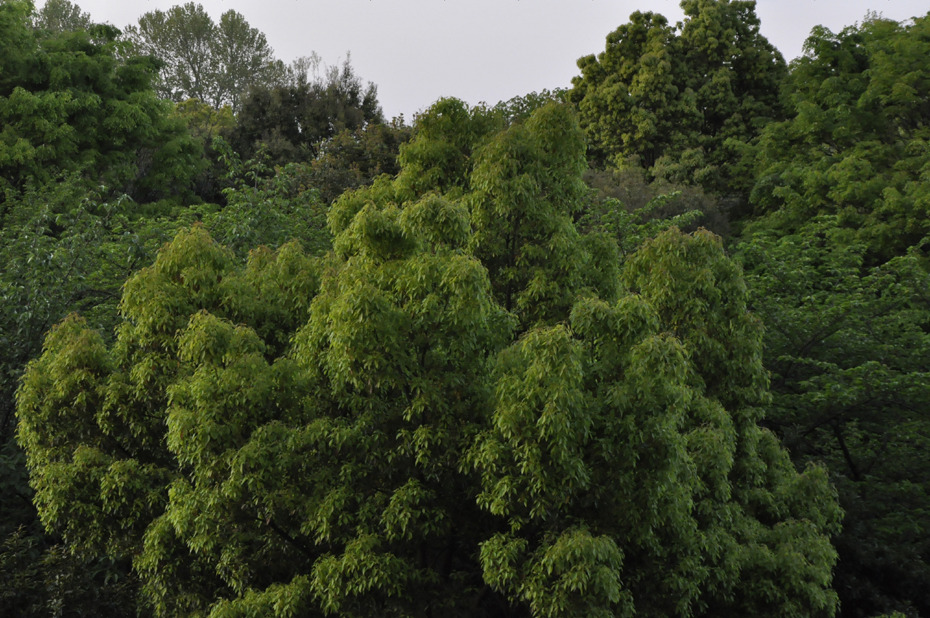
column 471, row 365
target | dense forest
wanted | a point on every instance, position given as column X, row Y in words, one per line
column 654, row 344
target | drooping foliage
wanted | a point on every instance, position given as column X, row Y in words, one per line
column 421, row 422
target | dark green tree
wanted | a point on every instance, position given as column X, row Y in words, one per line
column 847, row 348
column 354, row 158
column 290, row 122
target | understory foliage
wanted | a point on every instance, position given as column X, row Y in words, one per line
column 467, row 407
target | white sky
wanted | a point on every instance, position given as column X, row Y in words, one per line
column 417, row 51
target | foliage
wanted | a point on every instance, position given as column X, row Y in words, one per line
column 66, row 249
column 63, row 249
column 439, row 155
column 207, row 125
column 54, row 583
column 58, row 16
column 73, row 102
column 632, row 210
column 520, row 108
column 847, row 345
column 262, row 210
column 291, row 121
column 215, row 63
column 680, row 101
column 855, row 142
column 373, row 432
column 354, row 158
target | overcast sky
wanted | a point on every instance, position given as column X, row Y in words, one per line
column 417, row 51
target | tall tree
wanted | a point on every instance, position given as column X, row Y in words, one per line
column 213, row 62
column 71, row 102
column 374, row 433
column 58, row 16
column 847, row 348
column 854, row 144
column 290, row 122
column 680, row 100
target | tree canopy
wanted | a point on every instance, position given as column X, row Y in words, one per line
column 854, row 143
column 290, row 122
column 309, row 363
column 72, row 102
column 679, row 100
column 395, row 429
column 201, row 59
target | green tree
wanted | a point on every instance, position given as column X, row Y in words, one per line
column 58, row 16
column 682, row 101
column 214, row 62
column 354, row 158
column 72, row 102
column 855, row 142
column 272, row 210
column 375, row 433
column 292, row 121
column 846, row 346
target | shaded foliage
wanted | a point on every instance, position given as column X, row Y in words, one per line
column 847, row 347
column 291, row 121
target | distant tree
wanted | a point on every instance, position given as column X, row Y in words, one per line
column 290, row 122
column 680, row 100
column 354, row 158
column 213, row 62
column 519, row 108
column 57, row 16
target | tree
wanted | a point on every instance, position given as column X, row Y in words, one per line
column 836, row 262
column 72, row 103
column 213, row 62
column 290, row 122
column 354, row 158
column 680, row 101
column 847, row 345
column 58, row 16
column 374, row 433
column 854, row 144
